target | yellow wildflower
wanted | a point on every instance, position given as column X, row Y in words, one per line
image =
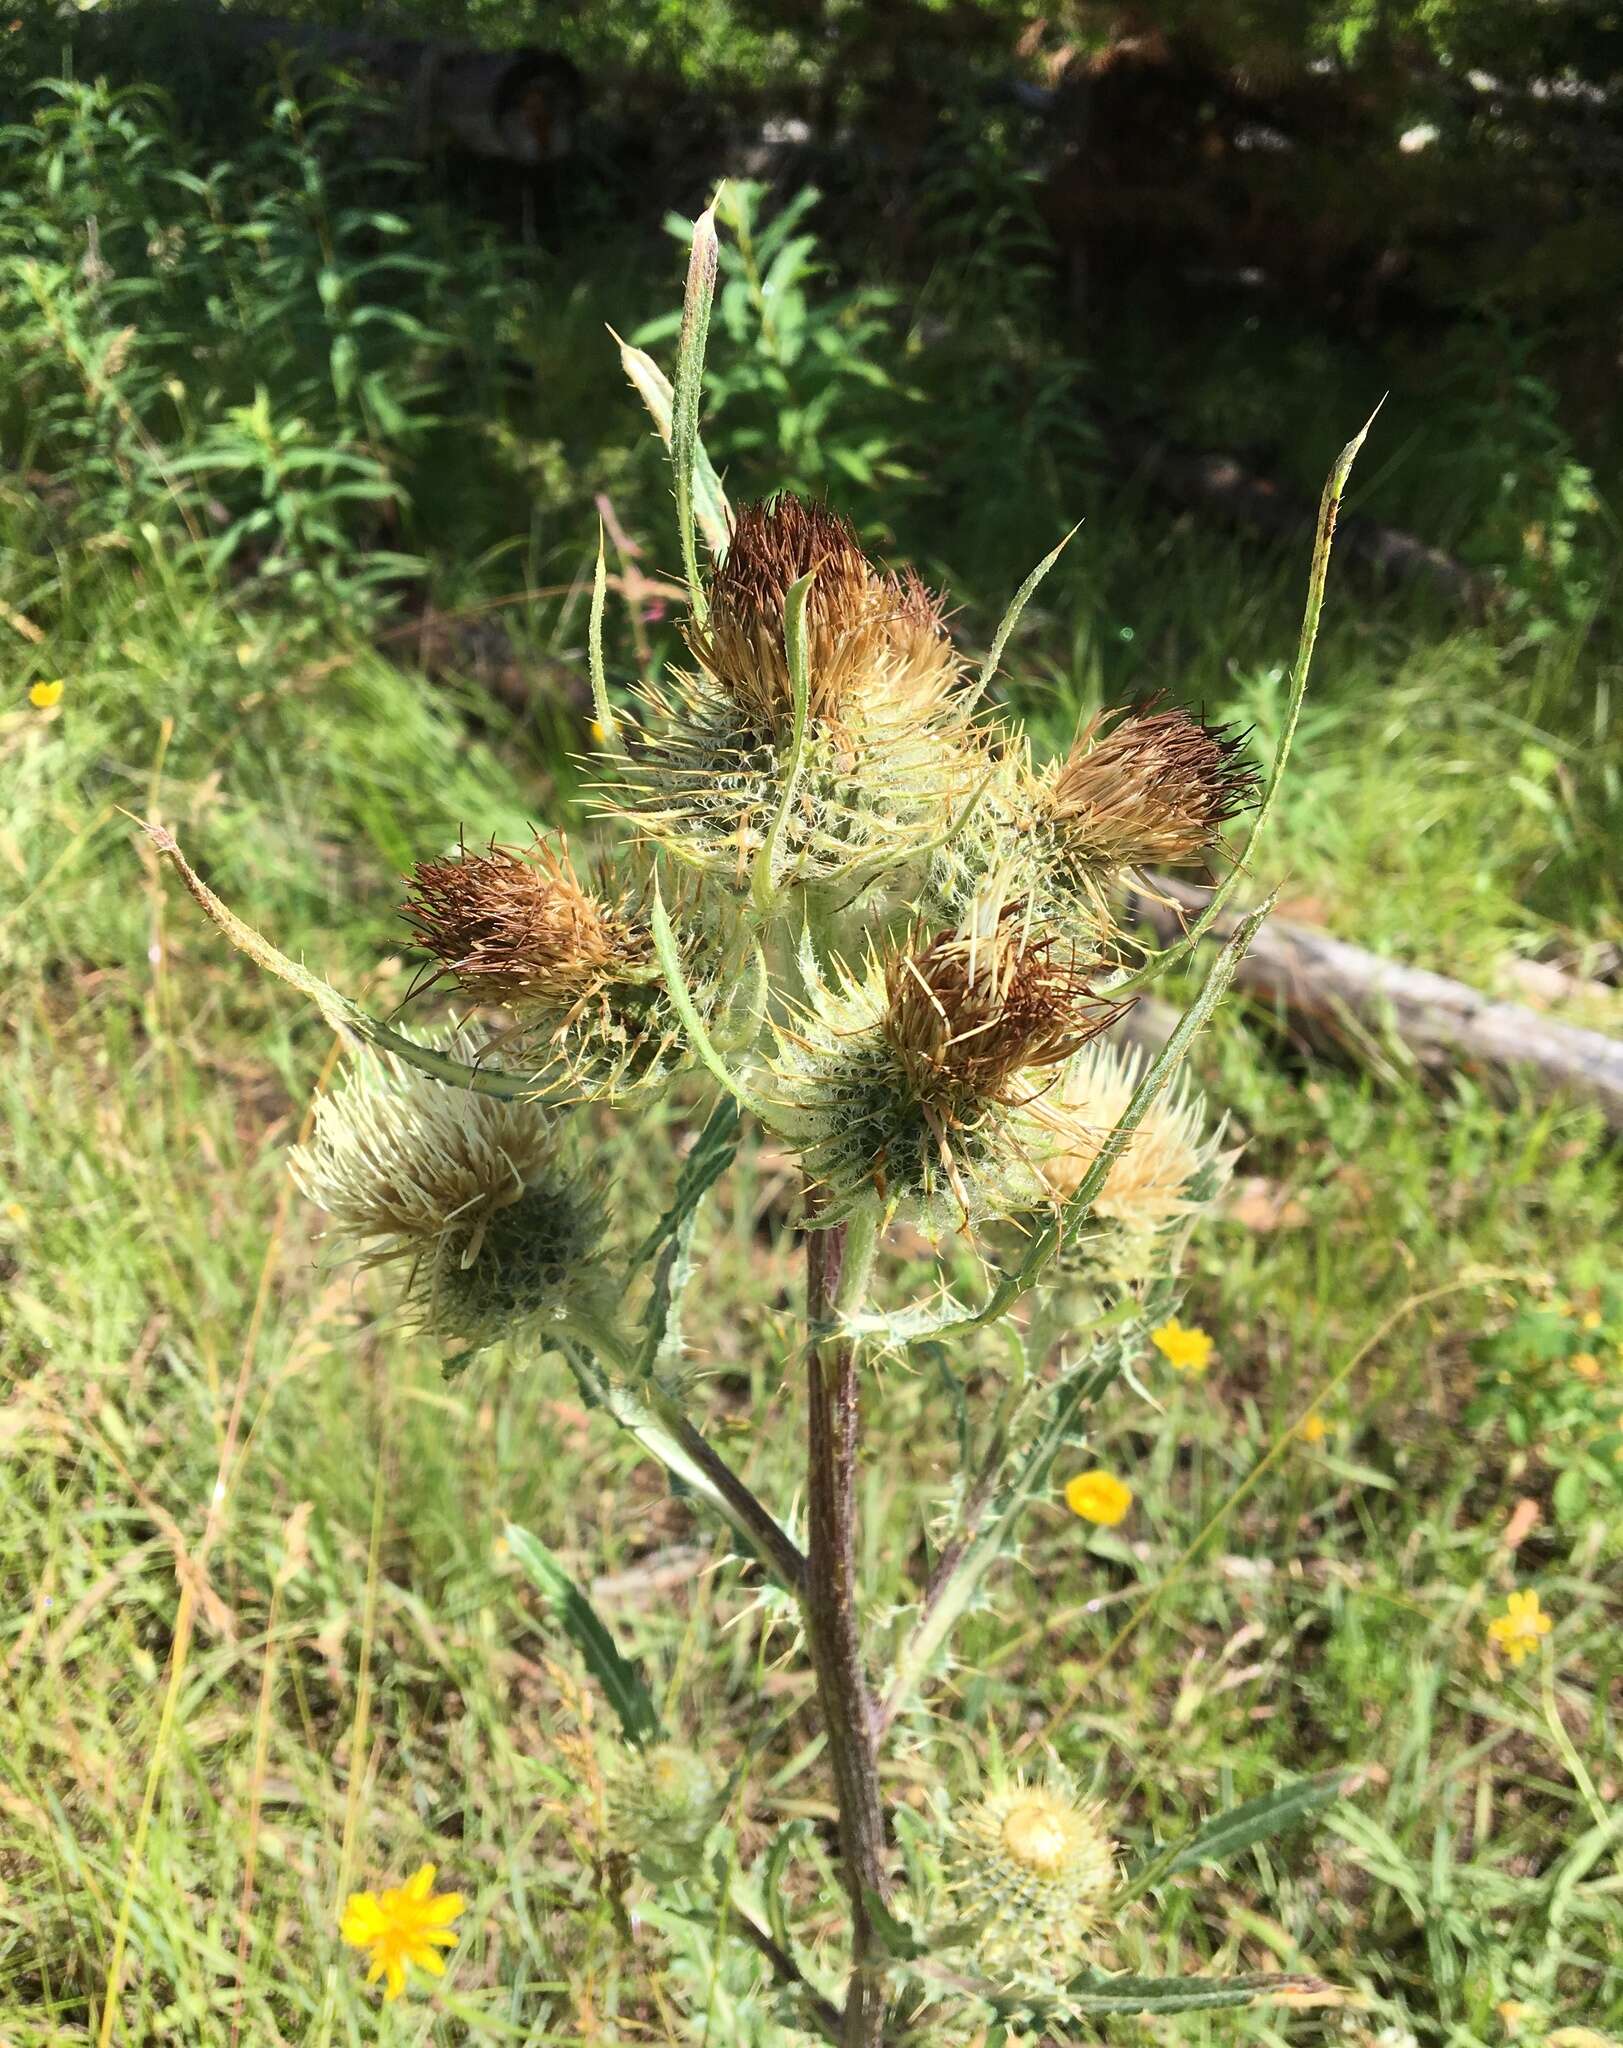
column 1590, row 1319
column 1311, row 1428
column 1098, row 1497
column 1185, row 1350
column 43, row 695
column 410, row 1925
column 1518, row 1629
column 1586, row 1365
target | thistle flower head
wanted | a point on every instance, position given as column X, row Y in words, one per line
column 890, row 745
column 1029, row 1866
column 1138, row 787
column 662, row 1801
column 1149, row 1184
column 573, row 962
column 1170, row 1165
column 916, row 1079
column 873, row 641
column 465, row 1191
column 520, row 929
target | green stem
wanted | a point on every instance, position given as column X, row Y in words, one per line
column 987, row 1536
column 649, row 1412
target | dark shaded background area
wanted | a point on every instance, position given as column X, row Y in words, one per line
column 1371, row 179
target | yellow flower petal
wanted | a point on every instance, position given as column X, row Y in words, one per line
column 433, row 1963
column 421, row 1883
column 1184, row 1349
column 1098, row 1497
column 43, row 695
column 395, row 1970
column 439, row 1912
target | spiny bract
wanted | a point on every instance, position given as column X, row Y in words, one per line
column 891, row 747
column 468, row 1191
column 1029, row 1866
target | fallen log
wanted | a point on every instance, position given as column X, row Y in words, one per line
column 1441, row 1022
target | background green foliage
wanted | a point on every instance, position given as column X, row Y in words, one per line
column 283, row 422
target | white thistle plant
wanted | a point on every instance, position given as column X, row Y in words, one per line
column 838, row 892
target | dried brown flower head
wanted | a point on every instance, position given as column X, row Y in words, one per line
column 1145, row 786
column 970, row 1009
column 520, row 929
column 891, row 748
column 919, row 1080
column 871, row 638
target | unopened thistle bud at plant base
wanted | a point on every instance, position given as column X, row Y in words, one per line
column 466, row 1192
column 891, row 747
column 1137, row 789
column 662, row 1803
column 1029, row 1867
column 914, row 1080
column 1170, row 1167
column 574, row 964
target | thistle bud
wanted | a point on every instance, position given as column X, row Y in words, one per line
column 1136, row 788
column 464, row 1191
column 573, row 963
column 913, row 1081
column 890, row 743
column 1029, row 1867
column 662, row 1803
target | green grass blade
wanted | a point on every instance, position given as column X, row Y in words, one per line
column 621, row 1679
column 1224, row 1836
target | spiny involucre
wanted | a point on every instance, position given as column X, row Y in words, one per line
column 470, row 1193
column 891, row 745
column 1029, row 1868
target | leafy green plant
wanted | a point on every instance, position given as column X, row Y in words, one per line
column 803, row 390
column 860, row 914
column 250, row 355
column 1552, row 1381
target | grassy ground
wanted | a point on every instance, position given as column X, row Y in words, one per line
column 262, row 1643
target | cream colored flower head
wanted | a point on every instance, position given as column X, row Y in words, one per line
column 1029, row 1867
column 1150, row 1183
column 467, row 1191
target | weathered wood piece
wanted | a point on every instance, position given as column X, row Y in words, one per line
column 1441, row 1022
